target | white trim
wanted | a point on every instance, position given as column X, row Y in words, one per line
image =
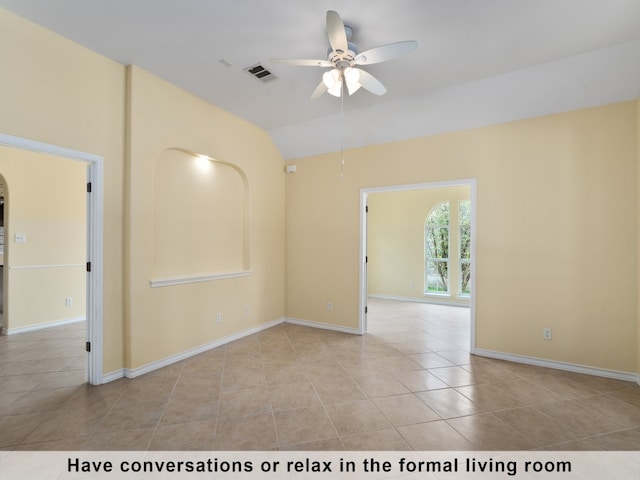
column 427, row 300
column 95, row 247
column 35, row 267
column 136, row 372
column 43, row 326
column 165, row 282
column 364, row 192
column 323, row 326
column 569, row 367
column 115, row 375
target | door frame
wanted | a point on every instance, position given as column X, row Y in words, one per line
column 95, row 216
column 364, row 193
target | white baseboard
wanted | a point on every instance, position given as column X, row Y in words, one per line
column 431, row 300
column 43, row 326
column 569, row 367
column 324, row 326
column 136, row 372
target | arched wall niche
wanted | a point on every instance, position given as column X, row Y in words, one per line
column 201, row 219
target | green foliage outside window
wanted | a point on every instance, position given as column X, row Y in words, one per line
column 437, row 249
column 464, row 216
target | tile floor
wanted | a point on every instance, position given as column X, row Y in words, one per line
column 410, row 383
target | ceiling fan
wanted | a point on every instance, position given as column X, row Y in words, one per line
column 343, row 59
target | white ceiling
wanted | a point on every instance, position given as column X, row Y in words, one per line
column 479, row 61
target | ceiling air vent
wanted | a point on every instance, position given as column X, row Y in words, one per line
column 261, row 73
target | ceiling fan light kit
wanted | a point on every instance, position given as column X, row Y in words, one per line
column 343, row 59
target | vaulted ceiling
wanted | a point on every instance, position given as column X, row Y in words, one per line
column 478, row 62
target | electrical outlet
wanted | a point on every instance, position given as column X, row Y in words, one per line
column 546, row 333
column 329, row 306
column 219, row 317
column 68, row 301
column 247, row 311
column 20, row 238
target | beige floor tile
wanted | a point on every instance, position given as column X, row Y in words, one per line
column 448, row 403
column 411, row 347
column 437, row 435
column 236, row 378
column 37, row 401
column 528, row 392
column 380, row 384
column 536, row 426
column 251, row 432
column 65, row 379
column 64, row 444
column 293, row 395
column 623, row 440
column 612, row 409
column 197, row 435
column 628, row 395
column 398, row 363
column 66, row 424
column 420, row 381
column 14, row 429
column 22, row 383
column 247, row 401
column 430, row 360
column 340, row 389
column 304, row 380
column 137, row 439
column 357, row 417
column 190, row 408
column 489, row 398
column 282, row 374
column 303, row 425
column 579, row 418
column 488, row 432
column 456, row 376
column 405, row 409
column 132, row 416
column 330, row 444
column 378, row 440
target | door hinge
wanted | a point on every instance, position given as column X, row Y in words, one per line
column 366, row 259
column 366, row 310
column 89, row 187
column 88, row 347
column 88, row 266
column 366, row 208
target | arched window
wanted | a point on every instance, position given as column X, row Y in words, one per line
column 436, row 248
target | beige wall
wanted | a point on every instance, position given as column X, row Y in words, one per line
column 556, row 230
column 553, row 192
column 395, row 242
column 50, row 209
column 54, row 91
column 164, row 321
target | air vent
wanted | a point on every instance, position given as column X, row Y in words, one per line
column 261, row 73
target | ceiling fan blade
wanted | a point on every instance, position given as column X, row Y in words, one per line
column 302, row 62
column 320, row 89
column 371, row 83
column 386, row 52
column 336, row 32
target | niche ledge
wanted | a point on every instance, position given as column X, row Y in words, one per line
column 166, row 282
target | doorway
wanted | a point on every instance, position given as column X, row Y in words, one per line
column 364, row 247
column 94, row 242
